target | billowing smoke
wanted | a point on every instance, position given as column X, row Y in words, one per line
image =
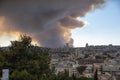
column 48, row 21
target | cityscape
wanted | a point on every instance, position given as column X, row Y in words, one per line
column 103, row 58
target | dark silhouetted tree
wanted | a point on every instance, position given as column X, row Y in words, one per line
column 96, row 74
column 81, row 69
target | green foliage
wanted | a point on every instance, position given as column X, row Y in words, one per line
column 84, row 78
column 81, row 69
column 25, row 62
column 64, row 76
column 20, row 75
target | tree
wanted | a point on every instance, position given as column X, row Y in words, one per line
column 24, row 61
column 74, row 77
column 84, row 78
column 81, row 69
column 20, row 75
column 25, row 40
column 96, row 74
column 20, row 45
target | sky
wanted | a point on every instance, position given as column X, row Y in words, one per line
column 103, row 26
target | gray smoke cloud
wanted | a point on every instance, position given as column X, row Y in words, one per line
column 48, row 21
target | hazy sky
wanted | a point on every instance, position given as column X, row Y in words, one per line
column 103, row 26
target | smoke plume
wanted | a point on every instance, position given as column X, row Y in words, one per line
column 48, row 21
